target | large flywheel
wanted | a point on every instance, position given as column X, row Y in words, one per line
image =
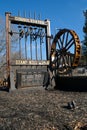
column 65, row 51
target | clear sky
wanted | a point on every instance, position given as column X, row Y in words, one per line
column 61, row 13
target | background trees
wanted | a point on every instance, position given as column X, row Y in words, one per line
column 2, row 47
column 84, row 42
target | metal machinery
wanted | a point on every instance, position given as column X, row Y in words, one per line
column 65, row 51
column 31, row 59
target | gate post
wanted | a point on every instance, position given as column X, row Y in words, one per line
column 8, row 56
column 48, row 45
column 8, row 45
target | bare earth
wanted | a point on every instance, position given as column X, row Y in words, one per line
column 37, row 109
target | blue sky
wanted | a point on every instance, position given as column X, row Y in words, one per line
column 61, row 13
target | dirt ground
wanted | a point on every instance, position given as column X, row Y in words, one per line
column 34, row 108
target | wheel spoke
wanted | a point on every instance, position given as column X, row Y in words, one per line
column 66, row 38
column 69, row 46
column 69, row 42
column 59, row 44
column 63, row 40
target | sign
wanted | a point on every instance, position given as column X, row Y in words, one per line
column 32, row 62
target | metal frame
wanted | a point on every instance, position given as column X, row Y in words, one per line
column 24, row 62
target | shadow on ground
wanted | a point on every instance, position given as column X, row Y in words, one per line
column 4, row 88
column 72, row 83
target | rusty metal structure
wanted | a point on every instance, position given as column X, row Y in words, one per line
column 65, row 51
column 33, row 60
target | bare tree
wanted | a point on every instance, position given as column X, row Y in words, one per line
column 2, row 47
column 14, row 41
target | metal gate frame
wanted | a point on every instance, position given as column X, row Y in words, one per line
column 24, row 21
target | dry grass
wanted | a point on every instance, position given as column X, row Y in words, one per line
column 36, row 109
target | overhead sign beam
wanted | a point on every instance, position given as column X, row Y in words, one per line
column 23, row 21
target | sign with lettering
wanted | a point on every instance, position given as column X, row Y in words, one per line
column 32, row 62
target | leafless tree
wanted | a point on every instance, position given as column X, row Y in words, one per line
column 14, row 40
column 2, row 46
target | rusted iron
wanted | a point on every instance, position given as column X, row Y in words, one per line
column 65, row 51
